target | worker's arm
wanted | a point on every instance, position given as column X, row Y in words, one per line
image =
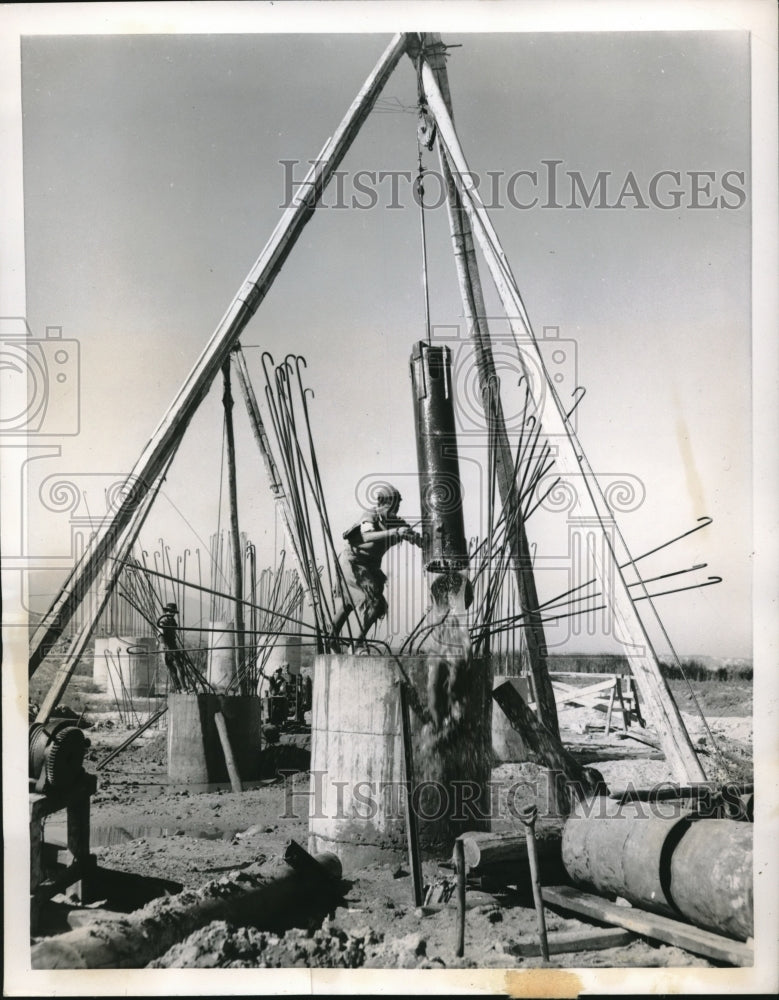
column 397, row 533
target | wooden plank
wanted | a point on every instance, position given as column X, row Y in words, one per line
column 650, row 925
column 609, row 711
column 594, row 753
column 570, row 460
column 563, row 942
column 585, row 695
column 251, row 293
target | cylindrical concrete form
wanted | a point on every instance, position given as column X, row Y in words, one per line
column 357, row 803
column 697, row 869
column 195, row 754
column 711, row 876
column 125, row 665
column 626, row 853
column 286, row 650
column 221, row 655
column 507, row 744
column 99, row 661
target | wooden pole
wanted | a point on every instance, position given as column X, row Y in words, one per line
column 132, row 738
column 412, row 832
column 491, row 850
column 662, row 710
column 227, row 750
column 478, row 329
column 610, row 709
column 235, row 533
column 244, row 305
column 459, row 862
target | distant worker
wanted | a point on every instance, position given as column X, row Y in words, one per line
column 276, row 683
column 292, row 689
column 308, row 690
column 277, row 689
column 167, row 633
column 363, row 579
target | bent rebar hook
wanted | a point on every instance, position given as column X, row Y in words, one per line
column 577, row 399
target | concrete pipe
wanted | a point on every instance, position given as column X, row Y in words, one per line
column 699, row 870
column 711, row 876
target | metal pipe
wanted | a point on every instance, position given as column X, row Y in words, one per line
column 444, row 546
column 528, row 816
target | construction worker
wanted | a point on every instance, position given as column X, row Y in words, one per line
column 167, row 633
column 277, row 689
column 362, row 586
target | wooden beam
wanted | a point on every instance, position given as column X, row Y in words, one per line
column 545, row 745
column 239, row 652
column 478, row 330
column 650, row 925
column 227, row 750
column 412, row 831
column 242, row 308
column 484, row 849
column 587, row 939
column 570, row 460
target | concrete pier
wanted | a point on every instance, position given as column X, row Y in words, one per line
column 195, row 754
column 357, row 802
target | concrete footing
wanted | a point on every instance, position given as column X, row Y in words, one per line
column 195, row 754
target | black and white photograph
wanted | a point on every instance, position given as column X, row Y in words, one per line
column 388, row 427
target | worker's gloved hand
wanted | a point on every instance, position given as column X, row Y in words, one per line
column 409, row 535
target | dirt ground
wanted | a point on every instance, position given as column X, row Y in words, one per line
column 167, row 838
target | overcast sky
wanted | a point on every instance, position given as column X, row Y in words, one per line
column 153, row 177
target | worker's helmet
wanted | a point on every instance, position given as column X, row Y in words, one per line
column 388, row 496
column 171, row 607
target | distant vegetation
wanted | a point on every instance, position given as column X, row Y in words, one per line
column 696, row 668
